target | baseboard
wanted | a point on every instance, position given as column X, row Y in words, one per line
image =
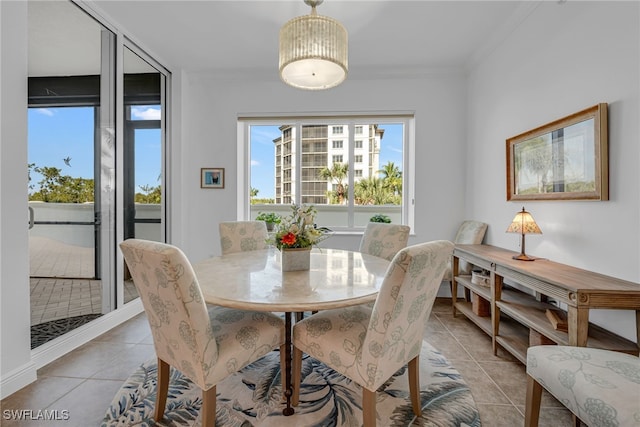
column 52, row 350
column 16, row 379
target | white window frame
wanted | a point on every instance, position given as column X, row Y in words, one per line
column 407, row 119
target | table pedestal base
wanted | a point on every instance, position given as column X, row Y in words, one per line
column 288, row 389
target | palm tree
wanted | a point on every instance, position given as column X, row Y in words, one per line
column 372, row 191
column 392, row 177
column 337, row 173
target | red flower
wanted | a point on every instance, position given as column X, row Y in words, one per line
column 288, row 239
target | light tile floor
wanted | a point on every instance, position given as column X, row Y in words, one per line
column 84, row 381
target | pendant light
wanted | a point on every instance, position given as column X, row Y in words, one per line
column 313, row 51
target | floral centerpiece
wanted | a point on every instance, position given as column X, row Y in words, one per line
column 297, row 233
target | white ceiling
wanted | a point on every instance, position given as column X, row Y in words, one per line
column 242, row 36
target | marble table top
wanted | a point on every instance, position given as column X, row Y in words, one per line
column 253, row 280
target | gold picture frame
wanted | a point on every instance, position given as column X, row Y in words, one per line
column 563, row 160
column 212, row 178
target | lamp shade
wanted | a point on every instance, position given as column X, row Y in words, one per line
column 313, row 52
column 524, row 223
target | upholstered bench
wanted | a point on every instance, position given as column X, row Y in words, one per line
column 600, row 387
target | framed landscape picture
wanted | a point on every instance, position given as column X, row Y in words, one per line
column 212, row 178
column 563, row 160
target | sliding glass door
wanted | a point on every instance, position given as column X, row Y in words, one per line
column 143, row 143
column 87, row 165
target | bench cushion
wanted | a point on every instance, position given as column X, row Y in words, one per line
column 600, row 387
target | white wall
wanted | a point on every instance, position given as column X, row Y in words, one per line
column 209, row 140
column 15, row 319
column 562, row 59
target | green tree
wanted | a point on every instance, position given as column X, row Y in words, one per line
column 57, row 188
column 373, row 191
column 338, row 174
column 150, row 195
column 392, row 177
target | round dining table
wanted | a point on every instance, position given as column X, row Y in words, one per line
column 254, row 280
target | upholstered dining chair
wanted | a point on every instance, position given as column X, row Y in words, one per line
column 206, row 344
column 241, row 236
column 369, row 344
column 469, row 233
column 384, row 240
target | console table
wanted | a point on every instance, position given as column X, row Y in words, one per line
column 518, row 307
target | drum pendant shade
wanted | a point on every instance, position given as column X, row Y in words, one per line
column 313, row 51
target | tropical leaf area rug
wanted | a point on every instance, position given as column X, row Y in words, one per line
column 253, row 397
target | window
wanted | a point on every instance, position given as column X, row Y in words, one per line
column 296, row 160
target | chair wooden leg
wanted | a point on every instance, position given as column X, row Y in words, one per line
column 296, row 375
column 414, row 385
column 532, row 410
column 208, row 410
column 575, row 420
column 368, row 408
column 162, row 389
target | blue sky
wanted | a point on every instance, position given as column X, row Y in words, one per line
column 67, row 132
column 262, row 154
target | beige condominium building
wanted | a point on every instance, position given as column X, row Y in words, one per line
column 323, row 146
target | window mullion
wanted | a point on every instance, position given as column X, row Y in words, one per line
column 296, row 182
column 351, row 178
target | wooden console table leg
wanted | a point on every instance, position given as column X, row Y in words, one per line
column 638, row 331
column 578, row 323
column 455, row 262
column 496, row 295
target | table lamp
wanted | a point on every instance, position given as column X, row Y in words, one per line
column 523, row 223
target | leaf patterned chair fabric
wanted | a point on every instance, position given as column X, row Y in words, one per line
column 384, row 240
column 369, row 344
column 242, row 236
column 469, row 233
column 206, row 344
column 600, row 387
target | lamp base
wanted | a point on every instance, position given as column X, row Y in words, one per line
column 523, row 257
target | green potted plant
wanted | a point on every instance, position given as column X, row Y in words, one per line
column 380, row 218
column 271, row 218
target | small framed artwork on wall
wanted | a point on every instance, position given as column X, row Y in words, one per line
column 212, row 178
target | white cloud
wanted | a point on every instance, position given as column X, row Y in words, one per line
column 255, row 163
column 45, row 112
column 145, row 113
